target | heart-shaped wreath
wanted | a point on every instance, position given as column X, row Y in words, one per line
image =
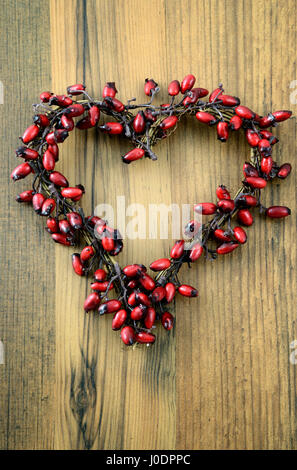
column 141, row 299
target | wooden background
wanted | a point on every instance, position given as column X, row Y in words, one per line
column 223, row 378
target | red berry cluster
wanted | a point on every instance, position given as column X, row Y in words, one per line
column 142, row 299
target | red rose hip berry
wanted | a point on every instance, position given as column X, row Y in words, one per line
column 240, row 234
column 206, row 118
column 100, row 275
column 21, row 171
column 128, row 335
column 196, row 252
column 133, row 155
column 277, row 212
column 222, row 192
column 174, row 88
column 77, row 264
column 167, row 321
column 177, row 249
column 119, row 319
column 92, row 302
column 187, row 291
column 168, row 122
column 226, row 205
column 158, row 294
column 76, row 89
column 205, row 208
column 30, row 133
column 160, row 264
column 226, row 248
column 150, row 86
column 87, row 253
column 245, row 217
column 145, row 337
column 25, row 196
column 244, row 112
column 37, row 201
column 170, row 292
column 223, row 131
column 48, row 206
column 150, row 318
column 110, row 306
column 284, row 171
column 256, row 182
column 187, row 83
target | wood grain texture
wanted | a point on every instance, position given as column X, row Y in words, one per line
column 132, row 391
column 222, row 379
column 242, row 387
column 27, row 320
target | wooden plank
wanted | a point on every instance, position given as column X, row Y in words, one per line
column 240, row 391
column 27, row 321
column 131, row 402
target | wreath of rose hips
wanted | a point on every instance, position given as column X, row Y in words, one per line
column 141, row 299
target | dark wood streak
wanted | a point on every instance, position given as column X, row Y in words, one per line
column 83, row 398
